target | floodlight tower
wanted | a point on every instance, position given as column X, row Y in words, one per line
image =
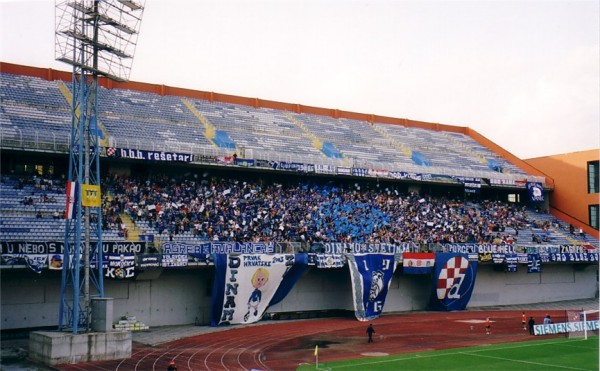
column 97, row 38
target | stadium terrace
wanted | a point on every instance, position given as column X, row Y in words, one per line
column 324, row 210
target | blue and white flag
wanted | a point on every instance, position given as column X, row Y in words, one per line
column 534, row 263
column 511, row 262
column 245, row 285
column 453, row 281
column 498, row 258
column 522, row 258
column 536, row 191
column 174, row 260
column 371, row 275
column 34, row 261
column 326, row 260
column 291, row 277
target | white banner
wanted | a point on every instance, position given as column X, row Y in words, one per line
column 251, row 281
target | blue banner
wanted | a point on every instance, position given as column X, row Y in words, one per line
column 534, row 263
column 34, row 261
column 186, row 248
column 453, row 282
column 573, row 257
column 511, row 262
column 174, row 260
column 326, row 260
column 498, row 258
column 218, row 247
column 291, row 277
column 536, row 191
column 140, row 154
column 356, row 171
column 370, row 276
column 472, row 185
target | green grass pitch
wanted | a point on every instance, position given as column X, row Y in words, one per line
column 543, row 355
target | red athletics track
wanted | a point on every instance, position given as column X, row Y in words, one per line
column 283, row 345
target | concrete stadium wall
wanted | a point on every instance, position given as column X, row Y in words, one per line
column 182, row 296
column 176, row 296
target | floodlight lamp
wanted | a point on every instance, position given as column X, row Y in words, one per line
column 98, row 36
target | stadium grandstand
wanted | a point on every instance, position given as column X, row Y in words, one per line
column 191, row 176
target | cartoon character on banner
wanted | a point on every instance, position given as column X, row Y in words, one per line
column 376, row 285
column 259, row 279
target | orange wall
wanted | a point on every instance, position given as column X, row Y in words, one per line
column 570, row 197
column 50, row 74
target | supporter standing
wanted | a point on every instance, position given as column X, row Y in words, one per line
column 488, row 326
column 370, row 332
column 524, row 320
column 531, row 323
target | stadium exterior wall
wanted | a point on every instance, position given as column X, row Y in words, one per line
column 182, row 296
column 570, row 199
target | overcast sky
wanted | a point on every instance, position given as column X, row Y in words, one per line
column 525, row 74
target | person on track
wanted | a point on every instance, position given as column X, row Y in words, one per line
column 370, row 332
column 531, row 323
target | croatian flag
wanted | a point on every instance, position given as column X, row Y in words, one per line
column 71, row 200
column 418, row 262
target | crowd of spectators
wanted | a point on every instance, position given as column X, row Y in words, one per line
column 221, row 208
column 230, row 209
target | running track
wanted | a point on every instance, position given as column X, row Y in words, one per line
column 283, row 345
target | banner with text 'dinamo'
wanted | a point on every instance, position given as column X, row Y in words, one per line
column 245, row 284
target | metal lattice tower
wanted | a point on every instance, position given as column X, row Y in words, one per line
column 97, row 38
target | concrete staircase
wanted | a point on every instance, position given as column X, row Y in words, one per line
column 403, row 148
column 209, row 131
column 465, row 149
column 316, row 142
column 133, row 231
column 69, row 97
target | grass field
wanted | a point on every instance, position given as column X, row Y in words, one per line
column 554, row 354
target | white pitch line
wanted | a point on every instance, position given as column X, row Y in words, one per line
column 520, row 361
column 411, row 356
